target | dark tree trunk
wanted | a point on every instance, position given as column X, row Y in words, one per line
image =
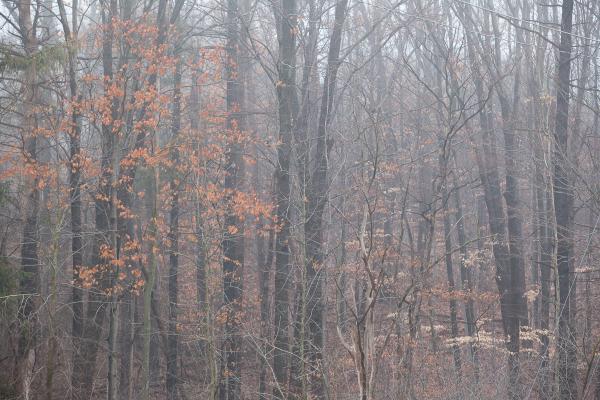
column 489, row 175
column 233, row 236
column 126, row 339
column 317, row 195
column 563, row 209
column 512, row 193
column 288, row 109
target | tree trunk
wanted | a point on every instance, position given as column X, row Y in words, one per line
column 265, row 259
column 127, row 325
column 317, row 195
column 173, row 239
column 233, row 236
column 510, row 114
column 466, row 277
column 113, row 329
column 84, row 365
column 74, row 174
column 150, row 285
column 543, row 230
column 450, row 277
column 287, row 109
column 489, row 175
column 563, row 211
column 29, row 285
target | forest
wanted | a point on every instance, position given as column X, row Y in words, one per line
column 299, row 199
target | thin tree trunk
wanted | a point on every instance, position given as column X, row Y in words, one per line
column 74, row 173
column 265, row 257
column 113, row 329
column 542, row 203
column 200, row 259
column 173, row 239
column 126, row 350
column 466, row 277
column 29, row 285
column 150, row 288
column 52, row 340
column 450, row 277
column 113, row 297
column 206, row 345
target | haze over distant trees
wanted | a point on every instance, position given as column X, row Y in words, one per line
column 299, row 199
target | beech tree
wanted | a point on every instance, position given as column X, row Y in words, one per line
column 299, row 199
